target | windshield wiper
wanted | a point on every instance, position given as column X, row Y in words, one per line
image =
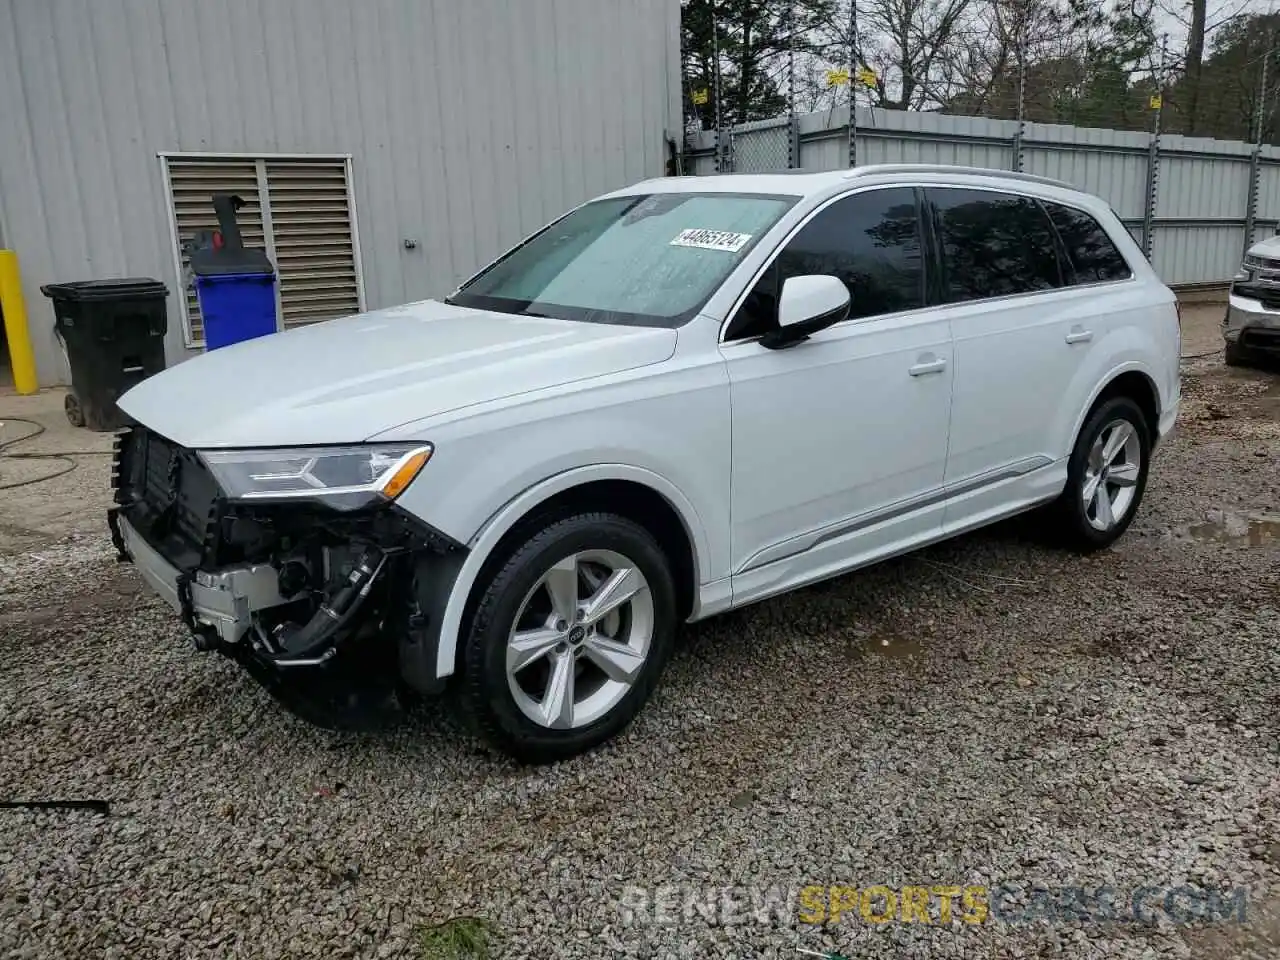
column 514, row 308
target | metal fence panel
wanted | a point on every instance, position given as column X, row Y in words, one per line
column 889, row 147
column 1202, row 187
column 1262, row 231
column 1118, row 177
column 1268, row 198
column 884, row 138
column 826, row 151
column 1198, row 253
column 704, row 165
column 1109, row 163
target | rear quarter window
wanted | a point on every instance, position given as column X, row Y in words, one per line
column 1093, row 256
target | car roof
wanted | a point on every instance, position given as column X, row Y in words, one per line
column 801, row 183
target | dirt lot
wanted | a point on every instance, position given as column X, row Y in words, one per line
column 989, row 713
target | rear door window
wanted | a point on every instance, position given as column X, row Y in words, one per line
column 1094, row 257
column 993, row 244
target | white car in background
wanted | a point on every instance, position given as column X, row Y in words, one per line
column 677, row 399
column 1251, row 327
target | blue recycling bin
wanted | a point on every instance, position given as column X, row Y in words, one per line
column 235, row 285
column 236, row 307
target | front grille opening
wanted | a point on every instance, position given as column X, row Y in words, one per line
column 168, row 494
column 1260, row 339
column 1261, row 263
column 1265, row 293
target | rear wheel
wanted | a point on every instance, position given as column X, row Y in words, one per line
column 1106, row 476
column 569, row 638
column 71, row 407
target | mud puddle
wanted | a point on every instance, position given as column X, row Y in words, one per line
column 890, row 646
column 1252, row 531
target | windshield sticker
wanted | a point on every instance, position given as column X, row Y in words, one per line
column 712, row 240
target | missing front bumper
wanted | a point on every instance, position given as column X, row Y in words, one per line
column 222, row 603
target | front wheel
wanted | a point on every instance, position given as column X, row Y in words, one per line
column 1106, row 476
column 569, row 638
column 1234, row 355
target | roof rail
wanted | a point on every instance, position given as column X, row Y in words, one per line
column 924, row 168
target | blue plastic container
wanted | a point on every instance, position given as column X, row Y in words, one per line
column 236, row 307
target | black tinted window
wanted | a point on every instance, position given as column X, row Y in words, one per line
column 871, row 241
column 994, row 245
column 1094, row 257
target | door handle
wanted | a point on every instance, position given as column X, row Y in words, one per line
column 928, row 366
column 1079, row 335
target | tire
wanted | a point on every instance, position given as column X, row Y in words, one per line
column 71, row 407
column 1234, row 355
column 512, row 709
column 1079, row 524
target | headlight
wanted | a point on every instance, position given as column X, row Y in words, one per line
column 345, row 477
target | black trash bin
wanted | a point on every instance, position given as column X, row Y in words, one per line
column 112, row 332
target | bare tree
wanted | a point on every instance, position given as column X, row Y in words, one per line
column 1000, row 39
column 908, row 44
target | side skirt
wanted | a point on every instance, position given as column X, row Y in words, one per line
column 864, row 544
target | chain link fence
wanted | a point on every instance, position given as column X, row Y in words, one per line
column 762, row 145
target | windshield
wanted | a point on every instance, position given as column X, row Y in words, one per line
column 652, row 259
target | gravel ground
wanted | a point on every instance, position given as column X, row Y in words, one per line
column 986, row 712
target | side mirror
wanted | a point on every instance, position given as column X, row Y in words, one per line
column 808, row 304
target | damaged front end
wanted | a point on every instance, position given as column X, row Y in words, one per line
column 296, row 563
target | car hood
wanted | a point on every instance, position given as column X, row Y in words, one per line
column 343, row 381
column 1269, row 247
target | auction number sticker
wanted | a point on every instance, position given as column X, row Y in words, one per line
column 712, row 240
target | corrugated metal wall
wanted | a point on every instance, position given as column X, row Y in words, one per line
column 1202, row 200
column 469, row 123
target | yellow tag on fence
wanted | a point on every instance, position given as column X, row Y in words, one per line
column 1156, row 101
column 837, row 78
column 700, row 97
column 867, row 77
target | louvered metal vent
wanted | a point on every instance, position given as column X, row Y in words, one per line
column 314, row 245
column 297, row 209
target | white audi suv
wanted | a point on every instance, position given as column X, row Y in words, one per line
column 677, row 399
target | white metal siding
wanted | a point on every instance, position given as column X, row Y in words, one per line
column 469, row 124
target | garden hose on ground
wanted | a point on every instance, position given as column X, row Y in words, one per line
column 68, row 464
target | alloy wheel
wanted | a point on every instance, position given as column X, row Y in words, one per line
column 1111, row 475
column 580, row 639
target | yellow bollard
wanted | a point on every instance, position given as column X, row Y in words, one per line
column 21, row 358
